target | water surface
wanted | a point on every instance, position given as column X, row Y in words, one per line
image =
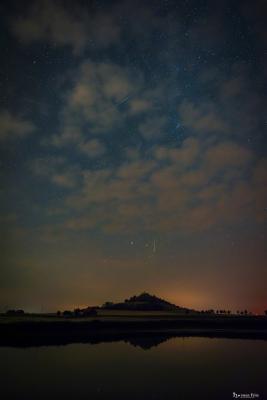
column 180, row 368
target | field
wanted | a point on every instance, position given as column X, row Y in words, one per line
column 130, row 326
column 102, row 315
column 132, row 317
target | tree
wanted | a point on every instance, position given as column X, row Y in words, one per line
column 108, row 304
column 67, row 313
column 89, row 312
column 77, row 312
column 15, row 312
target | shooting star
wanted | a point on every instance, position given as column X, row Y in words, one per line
column 123, row 100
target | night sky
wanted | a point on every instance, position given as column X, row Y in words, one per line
column 133, row 153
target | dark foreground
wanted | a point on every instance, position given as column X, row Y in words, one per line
column 189, row 368
column 139, row 331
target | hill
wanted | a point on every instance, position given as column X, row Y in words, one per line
column 144, row 302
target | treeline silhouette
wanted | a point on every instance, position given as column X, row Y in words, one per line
column 142, row 302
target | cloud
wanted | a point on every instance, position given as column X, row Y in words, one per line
column 233, row 87
column 93, row 148
column 14, row 126
column 56, row 170
column 239, row 101
column 153, row 127
column 54, row 22
column 227, row 154
column 260, row 172
column 238, row 107
column 66, row 179
column 104, row 97
column 8, row 218
column 191, row 188
column 202, row 118
column 242, row 102
column 71, row 134
column 97, row 92
column 92, row 105
column 139, row 105
column 186, row 154
column 45, row 165
column 136, row 169
column 132, row 153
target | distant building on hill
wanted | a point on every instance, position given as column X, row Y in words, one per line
column 145, row 302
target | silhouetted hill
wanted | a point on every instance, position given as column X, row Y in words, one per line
column 144, row 302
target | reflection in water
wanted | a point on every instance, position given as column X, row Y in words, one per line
column 143, row 339
column 179, row 368
column 147, row 342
